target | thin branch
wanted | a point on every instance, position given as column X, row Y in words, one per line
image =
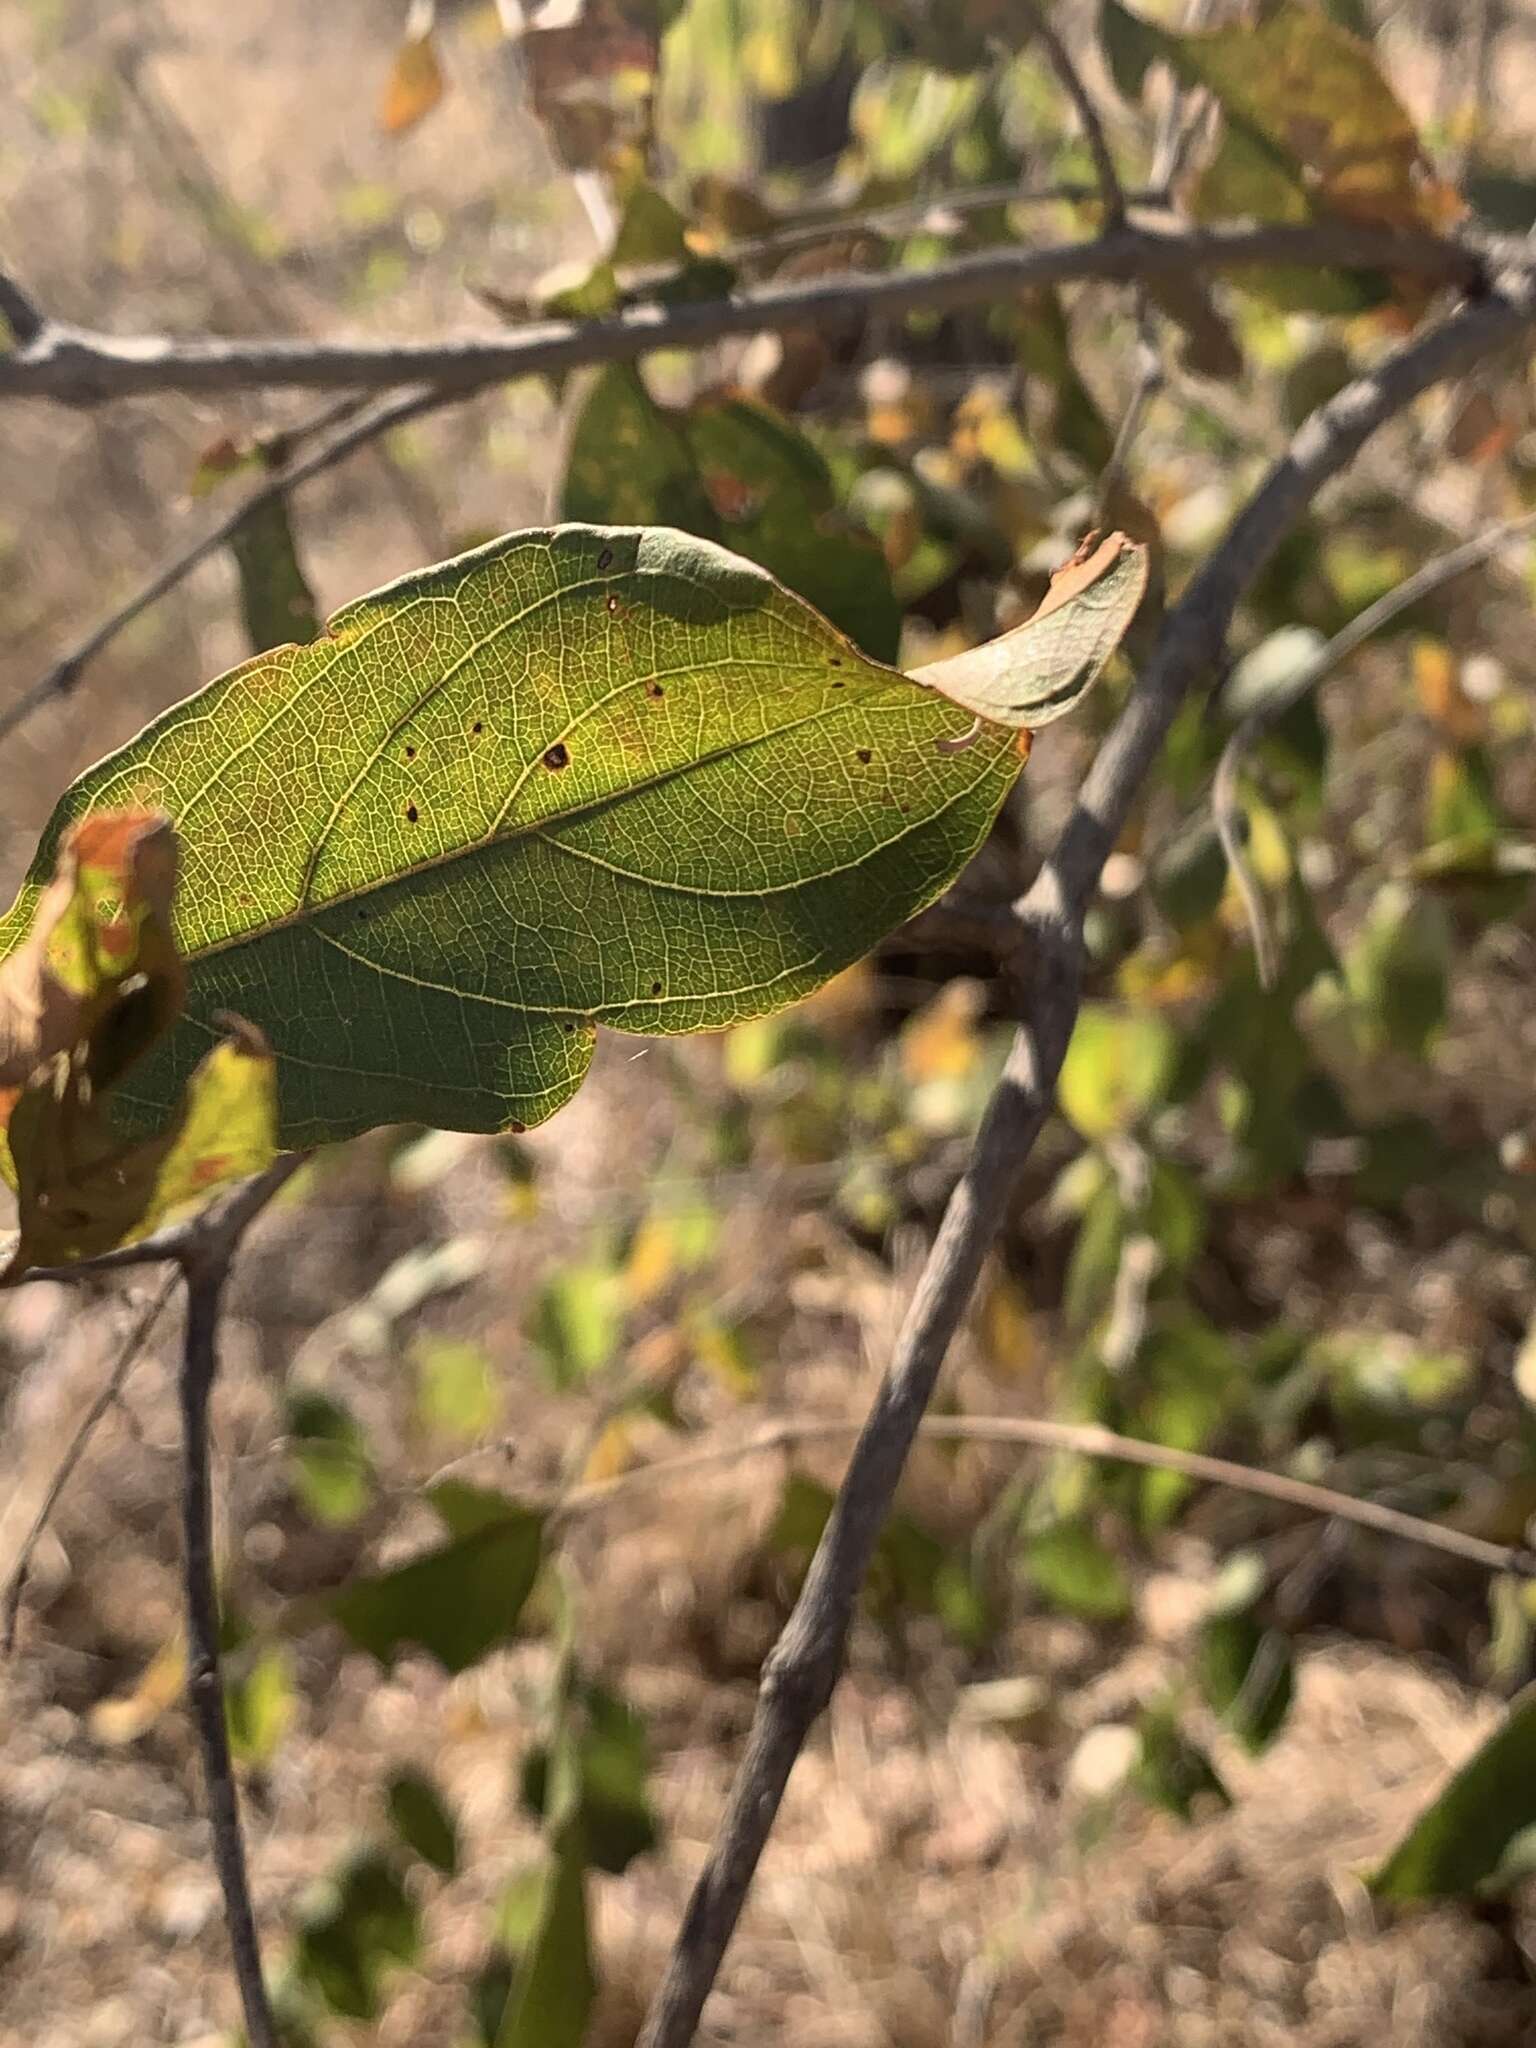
column 205, row 1277
column 1150, row 379
column 79, row 366
column 1080, row 1439
column 20, row 312
column 60, row 680
column 219, row 1227
column 802, row 1669
column 127, row 1358
column 1110, row 189
column 1226, row 810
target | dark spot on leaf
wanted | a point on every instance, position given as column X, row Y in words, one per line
column 362, row 913
column 517, row 1129
column 478, row 727
column 410, row 753
column 654, row 690
column 655, row 988
column 605, row 559
column 865, row 755
column 412, row 814
column 557, row 756
column 839, row 685
column 568, row 1029
column 834, row 661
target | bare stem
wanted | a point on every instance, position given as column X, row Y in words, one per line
column 205, row 1279
column 356, row 433
column 127, row 1357
column 1079, row 1439
column 1110, row 188
column 80, row 366
column 802, row 1669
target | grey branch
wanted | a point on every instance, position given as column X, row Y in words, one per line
column 79, row 366
column 1225, row 809
column 357, row 430
column 1039, row 23
column 802, row 1670
column 1077, row 1439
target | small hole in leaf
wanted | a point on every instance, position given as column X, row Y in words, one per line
column 412, row 814
column 605, row 559
column 613, row 602
column 655, row 988
column 558, row 756
column 865, row 755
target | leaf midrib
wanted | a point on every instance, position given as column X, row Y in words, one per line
column 577, row 813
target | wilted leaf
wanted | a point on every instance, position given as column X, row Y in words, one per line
column 422, row 1821
column 414, row 86
column 1457, row 1844
column 82, row 1190
column 578, row 776
column 458, row 1600
column 1307, row 97
column 1037, row 673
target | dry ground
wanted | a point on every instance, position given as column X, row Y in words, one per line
column 936, row 1880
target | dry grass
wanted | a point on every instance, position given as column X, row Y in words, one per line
column 936, row 1882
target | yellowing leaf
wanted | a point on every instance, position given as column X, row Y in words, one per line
column 1116, row 1068
column 98, row 965
column 82, row 1189
column 414, row 86
column 940, row 1043
column 127, row 1716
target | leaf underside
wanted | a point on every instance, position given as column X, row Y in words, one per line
column 583, row 775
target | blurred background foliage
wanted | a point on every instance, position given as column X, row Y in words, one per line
column 490, row 1656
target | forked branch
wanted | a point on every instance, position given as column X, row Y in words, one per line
column 802, row 1670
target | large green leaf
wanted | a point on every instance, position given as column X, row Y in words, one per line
column 1459, row 1842
column 580, row 776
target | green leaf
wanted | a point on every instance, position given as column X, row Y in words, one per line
column 555, row 1984
column 361, row 1921
column 1457, row 1844
column 613, row 1762
column 422, row 1821
column 732, row 470
column 275, row 599
column 458, row 1600
column 1398, row 970
column 1116, row 1069
column 576, row 777
column 1245, row 1671
column 333, row 1474
column 1070, row 1566
column 259, row 1707
column 1172, row 1771
column 456, row 1390
column 576, row 1323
